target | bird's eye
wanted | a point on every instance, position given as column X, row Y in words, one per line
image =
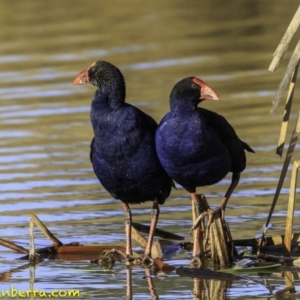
column 91, row 72
column 194, row 86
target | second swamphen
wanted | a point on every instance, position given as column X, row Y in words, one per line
column 123, row 148
column 198, row 147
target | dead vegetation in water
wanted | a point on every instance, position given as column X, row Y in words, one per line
column 167, row 240
column 206, row 280
column 217, row 246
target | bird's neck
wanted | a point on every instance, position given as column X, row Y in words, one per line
column 181, row 108
column 113, row 98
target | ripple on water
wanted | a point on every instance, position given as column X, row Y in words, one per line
column 44, row 163
column 15, row 133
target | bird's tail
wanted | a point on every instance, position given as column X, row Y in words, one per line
column 247, row 147
column 165, row 190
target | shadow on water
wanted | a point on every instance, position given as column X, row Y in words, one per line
column 45, row 129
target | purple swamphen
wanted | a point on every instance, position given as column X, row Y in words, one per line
column 123, row 151
column 198, row 147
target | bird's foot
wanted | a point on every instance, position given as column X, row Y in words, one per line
column 133, row 260
column 196, row 260
column 144, row 260
column 219, row 210
column 107, row 255
column 147, row 260
column 197, row 222
column 106, row 259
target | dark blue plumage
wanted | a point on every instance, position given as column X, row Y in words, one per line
column 198, row 147
column 123, row 148
column 190, row 151
column 124, row 157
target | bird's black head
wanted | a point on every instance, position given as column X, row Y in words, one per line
column 106, row 77
column 190, row 91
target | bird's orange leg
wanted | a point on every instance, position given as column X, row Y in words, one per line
column 128, row 222
column 196, row 248
column 221, row 208
column 154, row 218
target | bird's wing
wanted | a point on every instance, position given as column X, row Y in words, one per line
column 145, row 120
column 224, row 130
column 228, row 137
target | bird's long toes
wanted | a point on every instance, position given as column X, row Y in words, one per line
column 106, row 258
column 219, row 210
column 147, row 260
column 144, row 260
column 197, row 222
column 196, row 260
column 132, row 260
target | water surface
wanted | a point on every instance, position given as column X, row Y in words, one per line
column 45, row 129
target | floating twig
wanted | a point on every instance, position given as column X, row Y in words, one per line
column 13, row 246
column 55, row 241
column 158, row 232
column 33, row 256
column 281, row 259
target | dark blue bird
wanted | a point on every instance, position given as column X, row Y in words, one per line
column 123, row 148
column 198, row 147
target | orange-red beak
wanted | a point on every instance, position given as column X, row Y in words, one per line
column 83, row 76
column 207, row 93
